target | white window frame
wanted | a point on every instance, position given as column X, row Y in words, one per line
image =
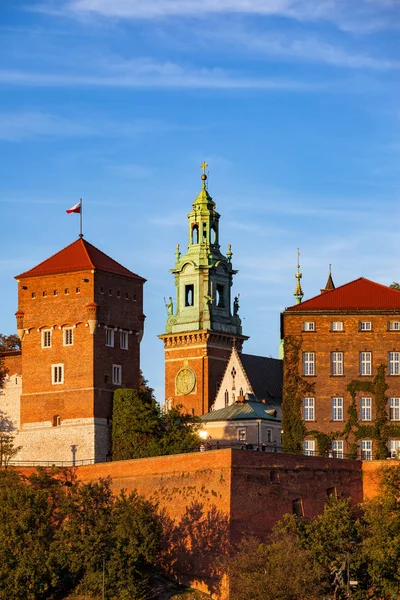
column 366, row 449
column 124, row 340
column 117, row 374
column 57, row 374
column 308, row 326
column 394, row 409
column 309, row 447
column 309, row 363
column 365, row 409
column 68, row 336
column 109, row 337
column 365, row 363
column 394, row 363
column 47, row 335
column 337, row 449
column 337, row 326
column 394, row 326
column 365, row 326
column 337, row 408
column 309, row 409
column 241, row 434
column 394, row 448
column 337, row 363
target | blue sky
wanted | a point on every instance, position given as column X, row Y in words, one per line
column 293, row 103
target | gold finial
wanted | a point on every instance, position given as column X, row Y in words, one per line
column 204, row 167
column 298, row 292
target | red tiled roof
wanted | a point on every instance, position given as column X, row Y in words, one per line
column 78, row 256
column 360, row 294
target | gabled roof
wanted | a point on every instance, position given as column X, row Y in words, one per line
column 78, row 256
column 241, row 412
column 265, row 375
column 360, row 294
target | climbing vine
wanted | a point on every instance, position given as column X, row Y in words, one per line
column 295, row 388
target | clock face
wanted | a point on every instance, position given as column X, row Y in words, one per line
column 185, row 380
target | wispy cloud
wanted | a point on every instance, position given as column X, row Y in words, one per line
column 347, row 14
column 146, row 73
column 26, row 125
column 310, row 49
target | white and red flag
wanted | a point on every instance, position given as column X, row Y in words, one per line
column 76, row 208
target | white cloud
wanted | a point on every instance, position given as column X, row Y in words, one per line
column 305, row 48
column 348, row 14
column 146, row 73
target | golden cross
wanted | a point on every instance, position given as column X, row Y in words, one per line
column 204, row 166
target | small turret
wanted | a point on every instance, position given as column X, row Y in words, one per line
column 329, row 284
column 298, row 292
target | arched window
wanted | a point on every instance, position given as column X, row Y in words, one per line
column 204, row 232
column 241, row 392
column 226, row 397
column 214, row 239
column 195, row 234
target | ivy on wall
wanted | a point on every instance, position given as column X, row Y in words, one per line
column 295, row 388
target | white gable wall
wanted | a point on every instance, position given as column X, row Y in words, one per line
column 235, row 386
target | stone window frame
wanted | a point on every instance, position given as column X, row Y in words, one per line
column 57, row 374
column 309, row 447
column 68, row 336
column 337, row 408
column 366, row 408
column 124, row 340
column 309, row 408
column 366, row 363
column 309, row 364
column 117, row 374
column 394, row 363
column 109, row 337
column 337, row 364
column 47, row 338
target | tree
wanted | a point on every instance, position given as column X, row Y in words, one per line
column 279, row 569
column 141, row 429
column 7, row 343
column 57, row 535
column 395, row 285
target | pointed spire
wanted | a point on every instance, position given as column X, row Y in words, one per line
column 298, row 292
column 329, row 284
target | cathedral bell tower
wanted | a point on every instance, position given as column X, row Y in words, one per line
column 203, row 324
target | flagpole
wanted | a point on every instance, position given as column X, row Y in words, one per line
column 80, row 220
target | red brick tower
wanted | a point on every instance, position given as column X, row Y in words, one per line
column 80, row 319
column 202, row 330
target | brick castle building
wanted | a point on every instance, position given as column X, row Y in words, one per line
column 344, row 347
column 203, row 324
column 80, row 320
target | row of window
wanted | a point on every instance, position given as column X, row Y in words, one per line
column 337, row 363
column 68, row 338
column 362, row 326
column 57, row 374
column 337, row 409
column 78, row 291
column 338, row 452
column 55, row 292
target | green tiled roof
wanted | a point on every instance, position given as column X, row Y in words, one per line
column 241, row 412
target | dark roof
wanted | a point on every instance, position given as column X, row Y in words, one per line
column 265, row 375
column 242, row 411
column 78, row 256
column 360, row 294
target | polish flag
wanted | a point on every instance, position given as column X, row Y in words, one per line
column 76, row 208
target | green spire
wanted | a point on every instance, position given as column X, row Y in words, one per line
column 298, row 292
column 203, row 275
